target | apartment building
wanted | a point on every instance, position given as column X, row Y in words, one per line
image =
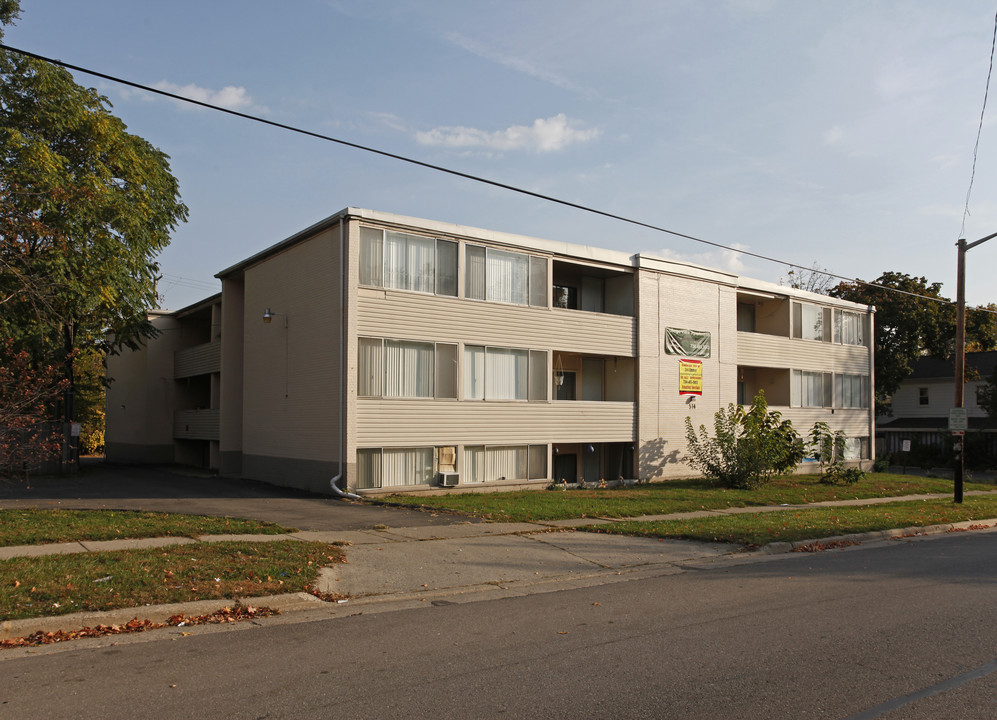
column 398, row 354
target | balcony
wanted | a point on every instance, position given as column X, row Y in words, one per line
column 198, row 360
column 196, row 424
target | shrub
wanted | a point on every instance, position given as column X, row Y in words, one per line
column 748, row 447
column 828, row 448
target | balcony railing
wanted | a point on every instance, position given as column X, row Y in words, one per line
column 196, row 424
column 197, row 360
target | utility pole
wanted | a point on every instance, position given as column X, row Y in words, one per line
column 960, row 353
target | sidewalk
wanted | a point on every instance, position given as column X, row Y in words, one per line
column 432, row 563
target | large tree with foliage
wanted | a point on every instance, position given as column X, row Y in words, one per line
column 85, row 208
column 907, row 327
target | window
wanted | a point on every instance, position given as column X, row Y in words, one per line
column 849, row 328
column 811, row 389
column 851, row 391
column 811, row 322
column 502, row 276
column 392, row 467
column 922, row 396
column 406, row 369
column 566, row 297
column 745, row 317
column 504, row 374
column 407, row 262
column 517, row 462
column 856, row 448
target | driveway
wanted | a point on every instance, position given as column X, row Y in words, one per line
column 184, row 490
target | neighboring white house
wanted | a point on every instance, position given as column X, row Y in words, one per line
column 921, row 405
column 396, row 353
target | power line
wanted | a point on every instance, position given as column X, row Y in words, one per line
column 979, row 131
column 458, row 173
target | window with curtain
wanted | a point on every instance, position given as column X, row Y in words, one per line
column 408, row 369
column 503, row 276
column 503, row 374
column 810, row 389
column 401, row 368
column 537, row 462
column 407, row 466
column 407, row 262
column 508, row 463
column 371, row 257
column 370, row 370
column 810, row 322
column 856, row 448
column 851, row 391
column 368, row 468
column 474, row 464
column 849, row 328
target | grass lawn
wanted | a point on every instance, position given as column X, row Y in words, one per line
column 671, row 496
column 755, row 529
column 60, row 584
column 29, row 526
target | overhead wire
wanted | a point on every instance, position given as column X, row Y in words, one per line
column 458, row 173
column 979, row 130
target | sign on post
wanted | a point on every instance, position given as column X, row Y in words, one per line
column 958, row 419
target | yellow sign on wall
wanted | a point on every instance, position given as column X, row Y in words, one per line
column 690, row 377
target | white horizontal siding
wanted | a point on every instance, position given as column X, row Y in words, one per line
column 196, row 424
column 407, row 315
column 854, row 423
column 941, row 397
column 197, row 360
column 760, row 350
column 400, row 423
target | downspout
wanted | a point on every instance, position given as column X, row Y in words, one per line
column 342, row 364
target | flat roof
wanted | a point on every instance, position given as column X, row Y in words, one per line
column 573, row 251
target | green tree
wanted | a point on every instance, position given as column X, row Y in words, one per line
column 987, row 395
column 981, row 328
column 748, row 447
column 85, row 209
column 907, row 327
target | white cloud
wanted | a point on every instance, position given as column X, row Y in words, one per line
column 728, row 260
column 229, row 97
column 518, row 64
column 834, row 136
column 545, row 135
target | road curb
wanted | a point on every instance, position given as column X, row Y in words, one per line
column 828, row 543
column 290, row 602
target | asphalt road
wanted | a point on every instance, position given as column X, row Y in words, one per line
column 843, row 634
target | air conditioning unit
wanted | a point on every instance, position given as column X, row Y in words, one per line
column 449, row 479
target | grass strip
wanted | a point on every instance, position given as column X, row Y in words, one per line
column 60, row 584
column 756, row 529
column 669, row 497
column 30, row 526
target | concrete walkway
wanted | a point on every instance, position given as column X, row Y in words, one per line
column 440, row 563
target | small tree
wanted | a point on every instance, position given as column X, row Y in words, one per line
column 748, row 446
column 828, row 448
column 27, row 436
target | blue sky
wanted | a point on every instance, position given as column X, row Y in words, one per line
column 837, row 132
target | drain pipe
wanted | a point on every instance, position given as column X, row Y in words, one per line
column 342, row 363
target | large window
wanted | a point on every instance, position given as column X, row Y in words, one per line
column 811, row 322
column 851, row 391
column 502, row 276
column 407, row 262
column 406, row 369
column 811, row 389
column 392, row 467
column 849, row 328
column 856, row 448
column 492, row 373
column 517, row 462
